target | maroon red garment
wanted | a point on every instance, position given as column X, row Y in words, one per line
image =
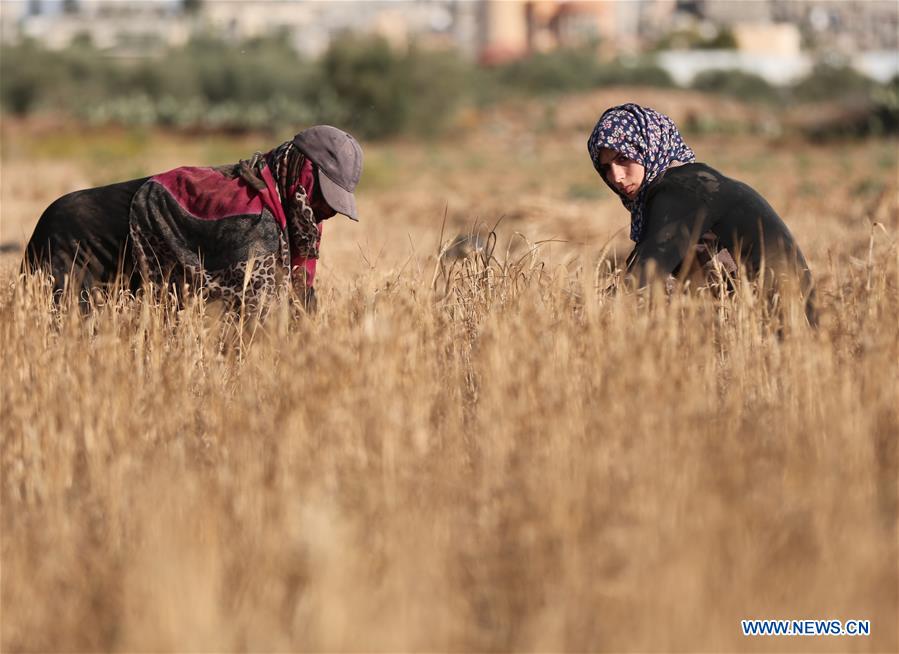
column 235, row 232
column 207, row 194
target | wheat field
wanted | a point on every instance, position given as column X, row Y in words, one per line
column 516, row 460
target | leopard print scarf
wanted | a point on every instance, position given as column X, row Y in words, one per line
column 286, row 162
column 251, row 263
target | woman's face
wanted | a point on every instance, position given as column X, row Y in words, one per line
column 623, row 174
column 319, row 205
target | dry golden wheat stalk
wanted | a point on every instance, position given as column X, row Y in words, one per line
column 523, row 464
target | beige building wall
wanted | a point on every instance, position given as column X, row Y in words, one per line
column 770, row 39
column 505, row 29
column 251, row 19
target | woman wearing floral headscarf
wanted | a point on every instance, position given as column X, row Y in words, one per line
column 686, row 215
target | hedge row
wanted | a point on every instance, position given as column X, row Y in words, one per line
column 360, row 82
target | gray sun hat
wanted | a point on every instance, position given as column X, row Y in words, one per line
column 338, row 157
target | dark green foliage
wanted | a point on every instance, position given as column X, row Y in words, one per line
column 551, row 72
column 377, row 91
column 246, row 73
column 22, row 91
column 885, row 115
column 723, row 40
column 360, row 83
column 693, row 39
column 191, row 6
column 737, row 84
column 630, row 71
column 209, row 84
column 577, row 69
column 438, row 84
column 832, row 82
column 32, row 77
column 365, row 80
column 866, row 108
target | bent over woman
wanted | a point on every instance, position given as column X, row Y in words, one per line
column 237, row 231
column 685, row 215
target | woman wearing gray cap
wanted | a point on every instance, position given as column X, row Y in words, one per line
column 237, row 232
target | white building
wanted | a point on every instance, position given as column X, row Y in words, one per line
column 127, row 26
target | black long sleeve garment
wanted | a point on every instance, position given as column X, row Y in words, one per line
column 84, row 239
column 694, row 204
column 84, row 235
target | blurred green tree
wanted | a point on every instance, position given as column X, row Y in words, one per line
column 737, row 84
column 377, row 91
column 829, row 81
column 191, row 6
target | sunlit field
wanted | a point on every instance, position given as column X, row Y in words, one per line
column 481, row 453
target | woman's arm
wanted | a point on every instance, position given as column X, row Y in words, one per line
column 675, row 220
column 303, row 275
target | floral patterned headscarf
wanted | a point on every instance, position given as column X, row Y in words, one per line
column 646, row 136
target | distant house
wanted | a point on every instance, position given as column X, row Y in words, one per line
column 510, row 29
column 490, row 31
column 780, row 39
column 127, row 27
column 119, row 27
